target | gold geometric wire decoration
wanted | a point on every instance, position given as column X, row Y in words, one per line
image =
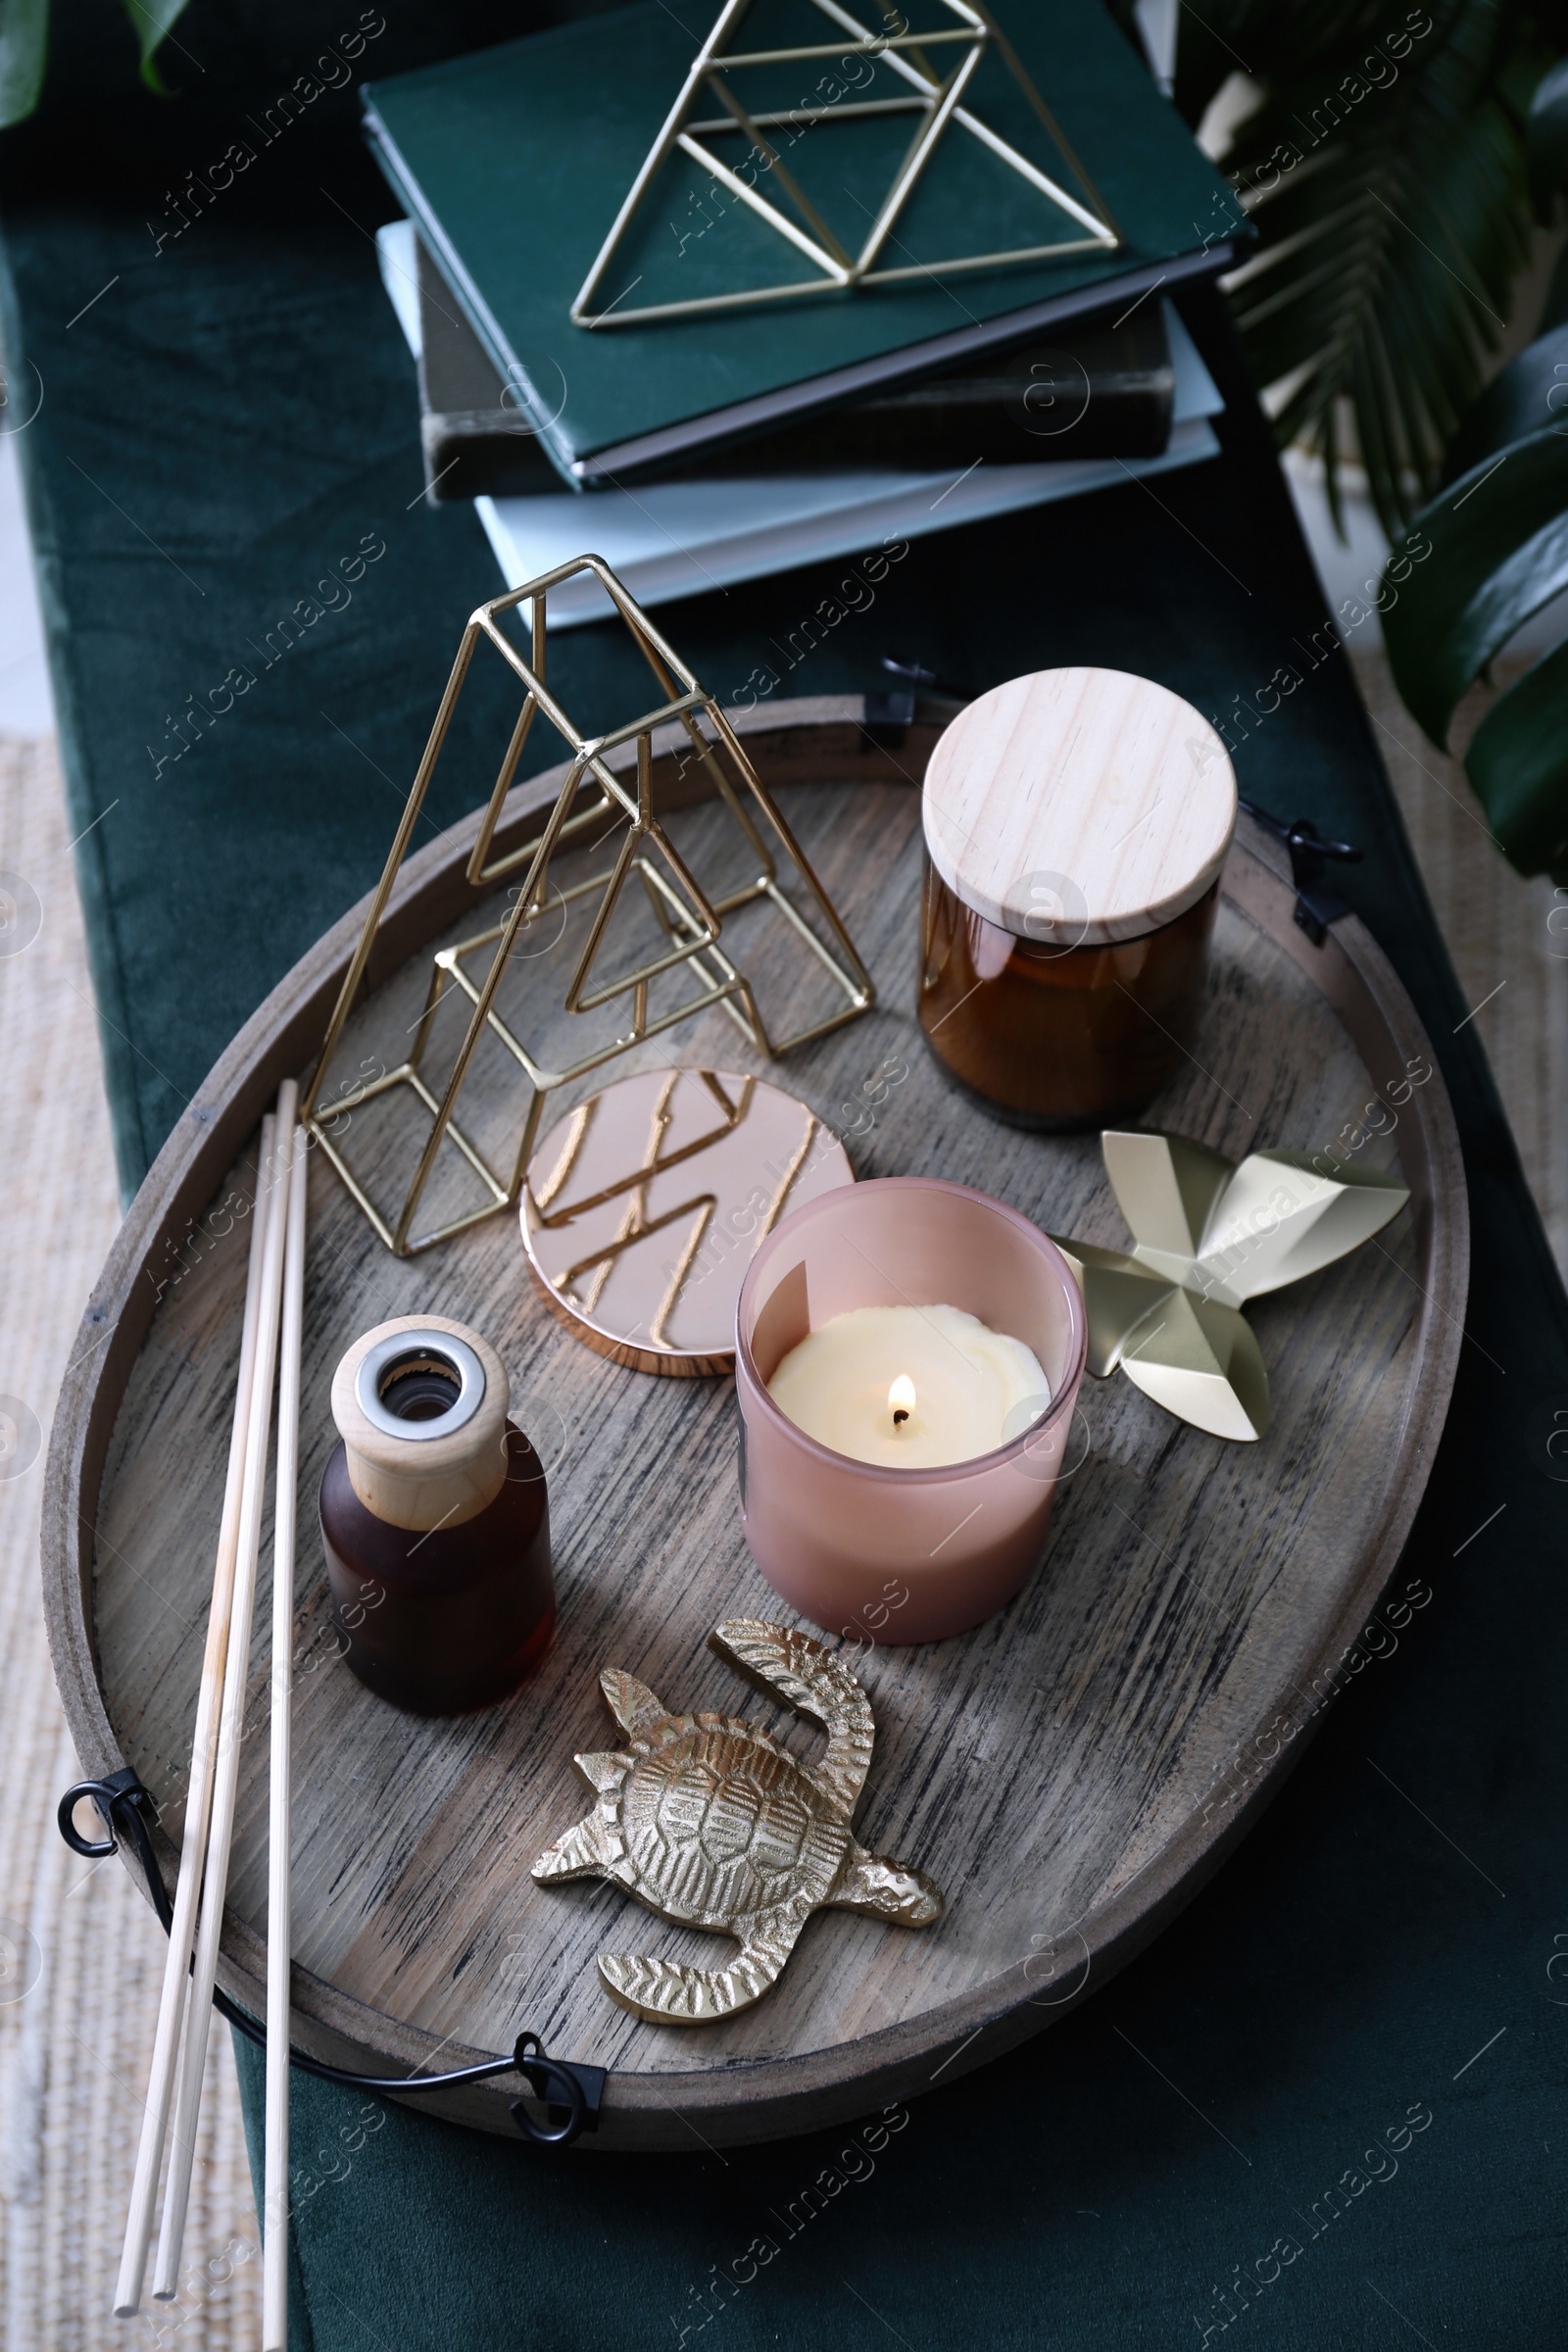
column 934, row 95
column 689, row 919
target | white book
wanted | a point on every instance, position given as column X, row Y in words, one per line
column 671, row 539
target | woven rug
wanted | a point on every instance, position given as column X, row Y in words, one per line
column 81, row 1954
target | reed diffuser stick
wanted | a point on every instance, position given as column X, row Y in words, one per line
column 237, row 1671
column 275, row 2200
column 169, row 2036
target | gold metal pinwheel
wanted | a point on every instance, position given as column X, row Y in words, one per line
column 1210, row 1235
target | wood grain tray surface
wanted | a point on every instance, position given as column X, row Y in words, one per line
column 1068, row 1773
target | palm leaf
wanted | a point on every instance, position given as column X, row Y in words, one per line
column 1389, row 194
column 1392, row 225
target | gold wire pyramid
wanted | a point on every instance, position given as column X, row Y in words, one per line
column 1208, row 1236
column 597, row 793
column 935, row 94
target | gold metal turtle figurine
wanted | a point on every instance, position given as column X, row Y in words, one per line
column 710, row 1822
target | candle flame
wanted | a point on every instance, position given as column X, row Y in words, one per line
column 902, row 1399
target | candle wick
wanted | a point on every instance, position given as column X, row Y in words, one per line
column 899, row 1418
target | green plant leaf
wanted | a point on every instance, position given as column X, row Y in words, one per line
column 1496, row 548
column 24, row 51
column 1276, row 47
column 1546, row 140
column 1389, row 203
column 1554, row 310
column 152, row 20
column 1518, row 763
column 1529, row 396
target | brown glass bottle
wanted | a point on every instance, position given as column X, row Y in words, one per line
column 1059, row 1038
column 456, row 1609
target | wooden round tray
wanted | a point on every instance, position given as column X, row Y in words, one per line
column 1068, row 1773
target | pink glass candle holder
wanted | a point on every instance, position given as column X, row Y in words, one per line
column 889, row 1554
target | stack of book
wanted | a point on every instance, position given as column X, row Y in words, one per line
column 668, row 382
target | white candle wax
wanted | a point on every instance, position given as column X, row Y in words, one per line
column 910, row 1387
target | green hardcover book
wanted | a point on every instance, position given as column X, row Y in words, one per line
column 516, row 163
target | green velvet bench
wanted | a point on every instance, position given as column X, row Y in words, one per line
column 231, row 421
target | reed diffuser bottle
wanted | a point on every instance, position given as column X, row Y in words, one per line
column 436, row 1521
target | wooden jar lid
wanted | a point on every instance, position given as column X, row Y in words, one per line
column 424, row 1473
column 1077, row 807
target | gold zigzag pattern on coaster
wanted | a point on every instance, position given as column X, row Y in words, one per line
column 933, row 95
column 602, row 793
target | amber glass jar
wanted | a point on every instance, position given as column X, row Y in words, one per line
column 1066, row 1037
column 1076, row 822
column 435, row 1521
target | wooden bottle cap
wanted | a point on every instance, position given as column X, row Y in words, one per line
column 423, row 1474
column 1078, row 807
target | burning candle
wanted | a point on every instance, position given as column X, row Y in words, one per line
column 905, row 1297
column 957, row 1390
